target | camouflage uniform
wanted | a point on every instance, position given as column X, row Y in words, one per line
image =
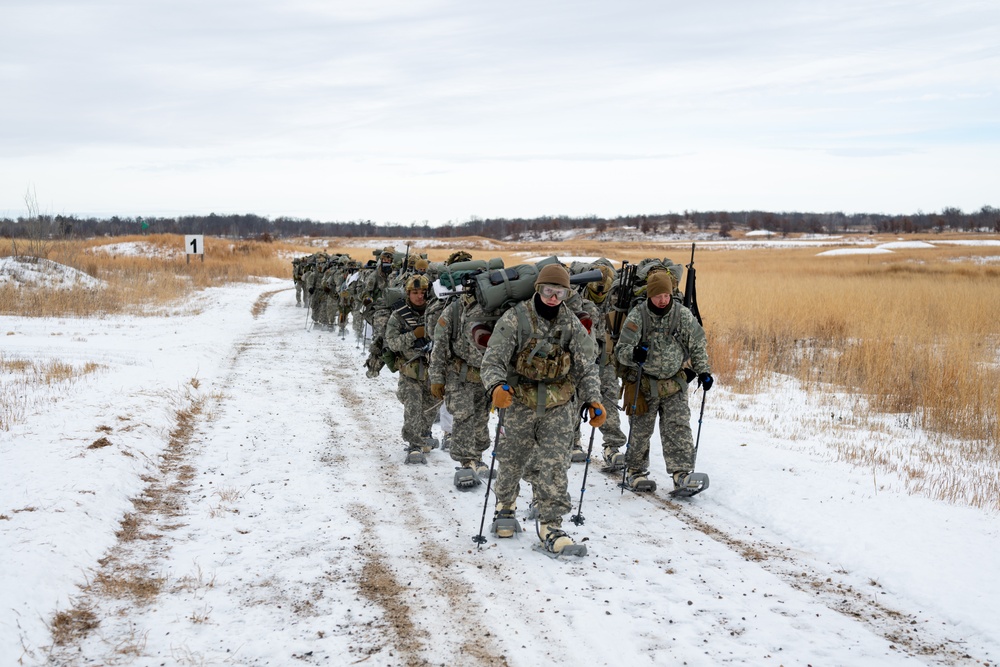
column 413, row 390
column 376, row 290
column 298, row 268
column 672, row 338
column 611, row 430
column 539, row 437
column 455, row 363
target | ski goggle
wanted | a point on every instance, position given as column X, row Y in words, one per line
column 550, row 291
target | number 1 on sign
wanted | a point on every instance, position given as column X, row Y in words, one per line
column 194, row 246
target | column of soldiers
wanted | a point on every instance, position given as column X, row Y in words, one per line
column 545, row 364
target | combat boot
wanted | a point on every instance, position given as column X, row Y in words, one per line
column 555, row 541
column 613, row 459
column 638, row 480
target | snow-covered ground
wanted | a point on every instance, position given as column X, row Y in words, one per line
column 243, row 469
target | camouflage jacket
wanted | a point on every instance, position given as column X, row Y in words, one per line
column 521, row 325
column 453, row 336
column 672, row 338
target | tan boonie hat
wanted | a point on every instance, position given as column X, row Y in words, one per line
column 422, row 265
column 553, row 274
column 659, row 283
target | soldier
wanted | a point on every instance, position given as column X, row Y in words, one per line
column 538, row 357
column 298, row 268
column 376, row 291
column 660, row 334
column 406, row 336
column 460, row 337
column 611, row 431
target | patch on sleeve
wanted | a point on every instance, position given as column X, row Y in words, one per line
column 441, row 322
column 632, row 326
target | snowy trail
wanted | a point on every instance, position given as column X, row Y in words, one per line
column 296, row 535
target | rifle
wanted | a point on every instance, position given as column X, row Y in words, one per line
column 690, row 295
column 626, row 283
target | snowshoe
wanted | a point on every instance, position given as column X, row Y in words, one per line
column 687, row 484
column 578, row 456
column 505, row 522
column 466, row 478
column 415, row 456
column 556, row 543
column 430, row 442
column 639, row 482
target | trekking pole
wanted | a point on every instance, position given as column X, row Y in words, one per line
column 700, row 416
column 479, row 539
column 578, row 518
column 631, row 425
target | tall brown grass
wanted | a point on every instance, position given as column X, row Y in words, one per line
column 134, row 282
column 913, row 332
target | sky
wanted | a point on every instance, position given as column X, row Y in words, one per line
column 291, row 532
column 440, row 110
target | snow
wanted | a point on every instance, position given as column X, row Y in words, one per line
column 36, row 271
column 291, row 532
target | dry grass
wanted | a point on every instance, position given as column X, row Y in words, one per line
column 135, row 282
column 24, row 384
column 72, row 625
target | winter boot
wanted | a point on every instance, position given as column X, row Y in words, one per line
column 556, row 542
column 504, row 521
column 613, row 459
column 481, row 469
column 466, row 476
column 578, row 455
column 638, row 480
column 430, row 442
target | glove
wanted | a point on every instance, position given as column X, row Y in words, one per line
column 633, row 394
column 598, row 414
column 312, row 289
column 326, row 289
column 437, row 390
column 706, row 380
column 502, row 396
column 639, row 354
column 689, row 374
column 420, row 343
column 419, row 332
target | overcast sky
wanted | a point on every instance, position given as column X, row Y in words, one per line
column 437, row 110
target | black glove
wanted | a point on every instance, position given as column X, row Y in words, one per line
column 689, row 375
column 312, row 289
column 705, row 380
column 639, row 353
column 420, row 342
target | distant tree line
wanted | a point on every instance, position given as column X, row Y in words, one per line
column 36, row 225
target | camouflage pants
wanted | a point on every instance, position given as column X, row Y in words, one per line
column 418, row 409
column 470, row 412
column 537, row 448
column 675, row 434
column 318, row 304
column 357, row 322
column 300, row 289
column 332, row 305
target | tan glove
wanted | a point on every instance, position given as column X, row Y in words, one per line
column 503, row 397
column 437, row 390
column 598, row 415
column 419, row 332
